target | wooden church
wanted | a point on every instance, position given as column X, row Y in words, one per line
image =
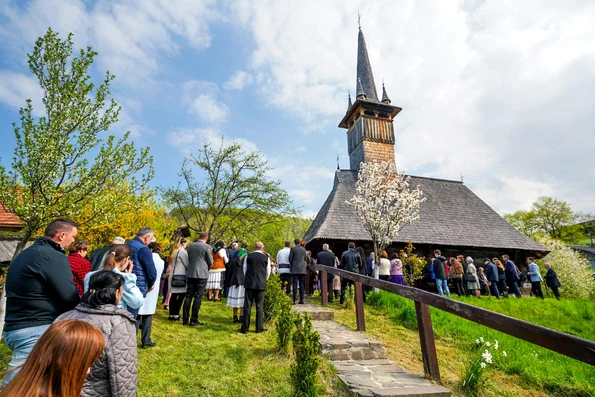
column 453, row 219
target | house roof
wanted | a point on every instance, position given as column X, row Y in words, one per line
column 8, row 218
column 452, row 215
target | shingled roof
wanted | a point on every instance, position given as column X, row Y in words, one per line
column 452, row 215
column 8, row 219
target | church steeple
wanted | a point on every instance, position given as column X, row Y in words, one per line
column 349, row 104
column 364, row 70
column 369, row 122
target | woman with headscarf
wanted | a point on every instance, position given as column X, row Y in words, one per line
column 471, row 276
column 235, row 296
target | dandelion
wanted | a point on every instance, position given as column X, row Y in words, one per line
column 482, row 364
column 504, row 353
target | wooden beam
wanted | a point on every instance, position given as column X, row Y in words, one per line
column 568, row 345
column 426, row 339
column 324, row 287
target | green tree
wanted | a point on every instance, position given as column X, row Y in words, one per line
column 52, row 171
column 524, row 221
column 233, row 196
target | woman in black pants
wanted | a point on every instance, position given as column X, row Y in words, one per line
column 179, row 260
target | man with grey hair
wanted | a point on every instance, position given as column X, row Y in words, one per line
column 98, row 256
column 327, row 258
column 142, row 259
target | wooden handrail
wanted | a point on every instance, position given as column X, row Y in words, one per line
column 559, row 342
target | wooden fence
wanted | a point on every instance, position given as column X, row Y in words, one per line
column 568, row 345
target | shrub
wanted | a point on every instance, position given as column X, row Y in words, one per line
column 305, row 347
column 284, row 326
column 572, row 268
column 348, row 303
column 413, row 265
column 273, row 296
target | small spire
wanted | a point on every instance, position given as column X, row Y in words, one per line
column 338, row 162
column 349, row 103
column 359, row 20
column 361, row 95
column 385, row 98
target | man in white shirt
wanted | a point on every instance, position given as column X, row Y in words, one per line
column 284, row 267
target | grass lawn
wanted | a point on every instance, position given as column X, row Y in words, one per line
column 527, row 370
column 215, row 360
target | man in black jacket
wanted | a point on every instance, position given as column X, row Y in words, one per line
column 257, row 269
column 297, row 262
column 327, row 258
column 39, row 287
column 352, row 262
column 551, row 279
column 440, row 273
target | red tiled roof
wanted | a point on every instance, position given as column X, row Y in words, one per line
column 8, row 218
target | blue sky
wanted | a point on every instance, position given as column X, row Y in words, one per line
column 499, row 92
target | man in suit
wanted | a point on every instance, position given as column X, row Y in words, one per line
column 297, row 262
column 551, row 279
column 491, row 273
column 327, row 258
column 142, row 258
column 352, row 262
column 200, row 259
column 257, row 269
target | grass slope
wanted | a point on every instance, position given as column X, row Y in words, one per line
column 215, row 360
column 527, row 371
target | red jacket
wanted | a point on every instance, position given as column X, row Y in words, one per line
column 80, row 267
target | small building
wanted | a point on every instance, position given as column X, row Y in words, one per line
column 10, row 226
column 453, row 218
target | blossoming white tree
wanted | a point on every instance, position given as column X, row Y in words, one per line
column 384, row 202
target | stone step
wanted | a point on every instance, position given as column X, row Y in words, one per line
column 315, row 311
column 375, row 378
column 340, row 343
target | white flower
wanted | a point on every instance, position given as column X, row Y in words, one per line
column 504, row 353
column 487, row 356
column 496, row 345
column 481, row 339
column 477, row 342
column 488, row 344
column 482, row 364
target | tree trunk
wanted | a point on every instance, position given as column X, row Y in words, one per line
column 20, row 247
column 377, row 260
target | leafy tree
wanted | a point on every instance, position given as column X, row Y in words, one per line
column 146, row 211
column 233, row 196
column 52, row 171
column 587, row 226
column 524, row 221
column 384, row 202
column 413, row 265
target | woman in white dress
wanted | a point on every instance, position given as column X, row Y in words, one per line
column 144, row 320
column 235, row 296
column 217, row 268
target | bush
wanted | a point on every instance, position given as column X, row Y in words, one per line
column 348, row 303
column 572, row 268
column 305, row 347
column 273, row 296
column 284, row 326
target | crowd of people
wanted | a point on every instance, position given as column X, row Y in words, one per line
column 60, row 306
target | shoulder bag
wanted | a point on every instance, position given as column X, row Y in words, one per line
column 178, row 280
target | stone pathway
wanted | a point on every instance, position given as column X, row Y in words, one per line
column 361, row 361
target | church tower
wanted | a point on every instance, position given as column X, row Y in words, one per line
column 369, row 121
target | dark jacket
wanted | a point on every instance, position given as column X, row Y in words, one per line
column 297, row 259
column 236, row 272
column 256, row 271
column 144, row 267
column 491, row 272
column 98, row 256
column 326, row 258
column 369, row 266
column 510, row 271
column 440, row 267
column 351, row 261
column 39, row 286
column 200, row 260
column 115, row 372
column 551, row 278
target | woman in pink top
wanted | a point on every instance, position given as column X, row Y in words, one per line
column 396, row 270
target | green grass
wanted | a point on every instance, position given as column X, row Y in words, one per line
column 215, row 360
column 528, row 370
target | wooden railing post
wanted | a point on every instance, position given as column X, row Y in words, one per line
column 426, row 339
column 359, row 307
column 323, row 287
column 307, row 282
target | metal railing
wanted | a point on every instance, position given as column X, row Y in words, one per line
column 559, row 342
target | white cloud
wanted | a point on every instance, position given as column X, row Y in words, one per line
column 499, row 91
column 238, row 81
column 189, row 140
column 201, row 99
column 16, row 88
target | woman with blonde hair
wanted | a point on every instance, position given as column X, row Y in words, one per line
column 176, row 278
column 59, row 362
column 501, row 276
column 170, row 265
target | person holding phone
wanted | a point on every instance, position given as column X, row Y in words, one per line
column 118, row 261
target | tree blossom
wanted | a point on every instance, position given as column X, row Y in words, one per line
column 384, row 202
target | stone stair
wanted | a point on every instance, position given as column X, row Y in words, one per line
column 361, row 361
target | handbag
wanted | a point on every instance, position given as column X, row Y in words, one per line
column 178, row 280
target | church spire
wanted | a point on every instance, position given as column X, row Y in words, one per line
column 364, row 70
column 361, row 94
column 385, row 98
column 349, row 103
